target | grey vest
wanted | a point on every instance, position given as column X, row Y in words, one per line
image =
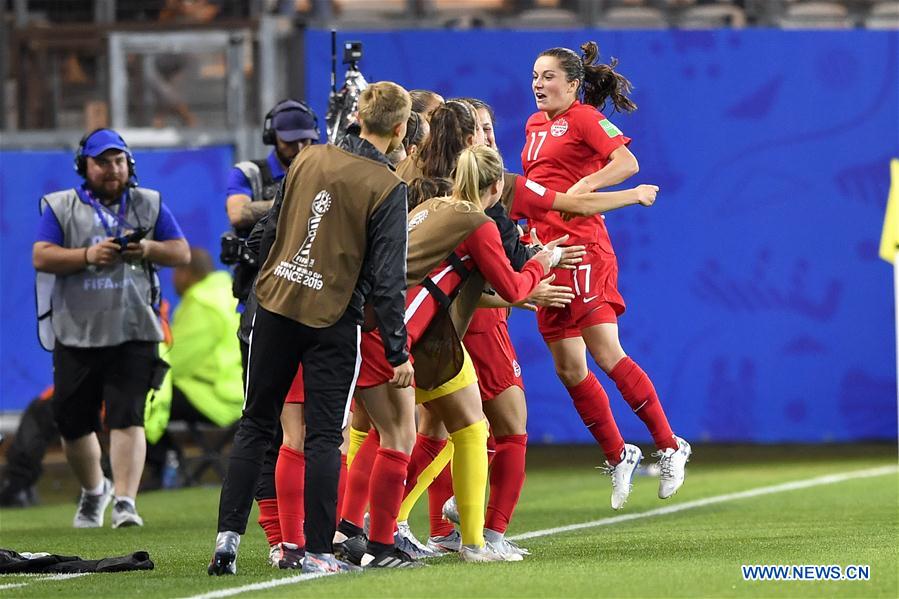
column 264, row 186
column 102, row 306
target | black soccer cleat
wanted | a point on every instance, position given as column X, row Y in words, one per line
column 352, row 549
column 392, row 558
column 224, row 560
column 222, row 564
column 290, row 557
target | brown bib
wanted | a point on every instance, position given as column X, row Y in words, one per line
column 315, row 261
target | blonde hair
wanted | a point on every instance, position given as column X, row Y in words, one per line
column 383, row 106
column 477, row 169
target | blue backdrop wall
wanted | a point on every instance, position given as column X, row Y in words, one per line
column 755, row 298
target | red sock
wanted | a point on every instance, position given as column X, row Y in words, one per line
column 385, row 494
column 290, row 481
column 424, row 452
column 355, row 498
column 439, row 491
column 506, row 480
column 641, row 396
column 592, row 403
column 268, row 520
column 341, row 485
column 491, row 449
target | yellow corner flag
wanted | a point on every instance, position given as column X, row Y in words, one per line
column 889, row 239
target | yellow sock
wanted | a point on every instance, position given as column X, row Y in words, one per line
column 357, row 438
column 425, row 479
column 470, row 479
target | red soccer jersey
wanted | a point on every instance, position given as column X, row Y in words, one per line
column 529, row 200
column 558, row 153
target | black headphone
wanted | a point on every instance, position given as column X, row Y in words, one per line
column 81, row 159
column 268, row 133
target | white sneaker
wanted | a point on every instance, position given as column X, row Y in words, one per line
column 405, row 540
column 449, row 543
column 274, row 555
column 92, row 507
column 506, row 550
column 124, row 514
column 622, row 474
column 672, row 468
column 486, row 553
column 451, row 511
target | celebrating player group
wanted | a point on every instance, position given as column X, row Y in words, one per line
column 389, row 265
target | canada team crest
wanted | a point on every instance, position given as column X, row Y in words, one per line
column 559, row 128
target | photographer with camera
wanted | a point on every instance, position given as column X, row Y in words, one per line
column 101, row 242
column 290, row 127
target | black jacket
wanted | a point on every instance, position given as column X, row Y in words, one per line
column 384, row 266
column 517, row 252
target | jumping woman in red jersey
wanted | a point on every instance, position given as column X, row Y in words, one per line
column 571, row 145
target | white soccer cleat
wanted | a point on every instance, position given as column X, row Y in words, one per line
column 451, row 511
column 469, row 553
column 623, row 473
column 508, row 551
column 450, row 543
column 406, row 540
column 672, row 468
column 274, row 555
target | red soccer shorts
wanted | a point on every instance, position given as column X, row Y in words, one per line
column 375, row 370
column 494, row 360
column 295, row 394
column 596, row 301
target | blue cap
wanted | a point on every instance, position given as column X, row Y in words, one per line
column 102, row 140
column 294, row 124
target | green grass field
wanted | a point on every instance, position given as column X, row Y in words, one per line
column 695, row 552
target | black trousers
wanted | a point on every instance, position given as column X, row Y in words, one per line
column 331, row 360
column 265, row 487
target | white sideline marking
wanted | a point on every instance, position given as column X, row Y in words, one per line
column 35, row 577
column 829, row 479
column 261, row 586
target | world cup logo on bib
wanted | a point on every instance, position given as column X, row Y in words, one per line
column 320, row 205
column 559, row 128
column 417, row 219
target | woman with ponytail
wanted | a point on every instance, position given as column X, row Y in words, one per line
column 570, row 145
column 454, row 126
column 443, row 293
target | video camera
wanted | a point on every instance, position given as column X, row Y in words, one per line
column 343, row 103
column 235, row 250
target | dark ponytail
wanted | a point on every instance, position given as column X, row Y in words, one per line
column 451, row 124
column 599, row 82
column 415, row 132
column 423, row 189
